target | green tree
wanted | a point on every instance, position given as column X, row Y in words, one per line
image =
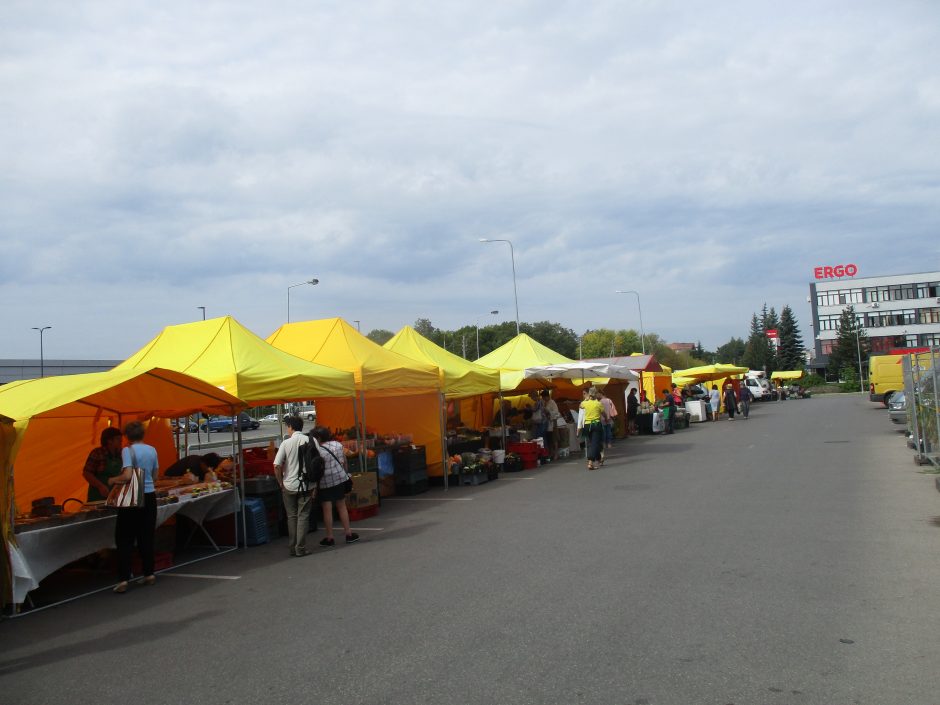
column 790, row 351
column 424, row 327
column 380, row 336
column 555, row 336
column 731, row 352
column 850, row 345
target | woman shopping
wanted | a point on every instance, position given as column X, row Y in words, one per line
column 593, row 429
column 136, row 524
column 334, row 486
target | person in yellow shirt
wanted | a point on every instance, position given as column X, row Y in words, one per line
column 593, row 429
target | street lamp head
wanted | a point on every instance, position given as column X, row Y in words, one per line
column 483, row 239
column 313, row 282
column 494, row 313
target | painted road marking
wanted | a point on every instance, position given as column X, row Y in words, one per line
column 427, row 499
column 517, row 478
column 365, row 528
column 204, row 577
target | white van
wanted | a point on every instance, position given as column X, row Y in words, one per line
column 759, row 386
column 755, row 387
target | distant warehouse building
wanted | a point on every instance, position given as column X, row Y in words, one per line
column 13, row 370
column 896, row 311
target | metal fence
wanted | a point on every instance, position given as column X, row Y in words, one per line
column 923, row 414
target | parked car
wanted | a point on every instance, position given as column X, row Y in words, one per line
column 897, row 408
column 241, row 422
column 181, row 424
column 270, row 418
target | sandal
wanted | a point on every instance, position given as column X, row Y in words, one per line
column 120, row 588
column 150, row 580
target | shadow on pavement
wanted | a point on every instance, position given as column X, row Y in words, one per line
column 114, row 641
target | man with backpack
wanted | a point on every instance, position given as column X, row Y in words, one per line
column 296, row 486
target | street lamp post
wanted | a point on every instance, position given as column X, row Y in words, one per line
column 858, row 348
column 640, row 310
column 357, row 326
column 515, row 294
column 491, row 313
column 203, row 309
column 311, row 282
column 42, row 357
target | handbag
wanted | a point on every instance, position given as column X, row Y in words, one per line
column 129, row 494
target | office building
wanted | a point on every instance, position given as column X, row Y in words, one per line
column 895, row 311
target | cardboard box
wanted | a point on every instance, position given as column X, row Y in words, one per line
column 365, row 490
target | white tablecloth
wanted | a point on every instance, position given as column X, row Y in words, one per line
column 41, row 552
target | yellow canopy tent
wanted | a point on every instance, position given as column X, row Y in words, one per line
column 403, row 394
column 461, row 380
column 224, row 353
column 51, row 425
column 719, row 373
column 459, row 377
column 512, row 359
column 707, row 373
column 787, row 374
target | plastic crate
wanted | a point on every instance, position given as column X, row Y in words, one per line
column 256, row 521
column 407, row 458
column 477, row 478
column 530, row 463
column 412, row 488
column 360, row 513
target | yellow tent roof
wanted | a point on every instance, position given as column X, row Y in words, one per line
column 129, row 392
column 514, row 357
column 460, row 378
column 707, row 373
column 224, row 353
column 786, row 374
column 57, row 421
column 333, row 342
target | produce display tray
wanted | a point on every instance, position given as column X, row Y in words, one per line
column 477, row 478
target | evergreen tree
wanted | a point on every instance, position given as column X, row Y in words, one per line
column 757, row 353
column 790, row 350
column 851, row 343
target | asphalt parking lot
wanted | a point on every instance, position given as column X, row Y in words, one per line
column 791, row 558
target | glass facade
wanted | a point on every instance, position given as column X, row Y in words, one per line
column 873, row 294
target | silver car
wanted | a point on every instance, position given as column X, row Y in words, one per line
column 897, row 408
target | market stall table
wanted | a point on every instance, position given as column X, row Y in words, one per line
column 40, row 552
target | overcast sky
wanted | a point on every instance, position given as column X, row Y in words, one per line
column 156, row 157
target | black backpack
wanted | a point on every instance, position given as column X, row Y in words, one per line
column 311, row 463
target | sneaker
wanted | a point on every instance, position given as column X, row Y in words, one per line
column 327, row 543
column 352, row 538
column 301, row 552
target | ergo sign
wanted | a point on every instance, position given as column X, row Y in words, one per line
column 840, row 270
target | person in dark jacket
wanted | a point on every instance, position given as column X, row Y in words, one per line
column 731, row 401
column 745, row 396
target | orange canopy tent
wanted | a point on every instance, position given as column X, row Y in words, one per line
column 48, row 426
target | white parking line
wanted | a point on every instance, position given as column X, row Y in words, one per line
column 365, row 528
column 517, row 478
column 204, row 577
column 427, row 499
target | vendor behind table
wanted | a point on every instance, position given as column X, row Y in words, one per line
column 103, row 463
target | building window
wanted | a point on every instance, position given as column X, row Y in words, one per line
column 930, row 340
column 881, row 344
column 826, row 346
column 928, row 315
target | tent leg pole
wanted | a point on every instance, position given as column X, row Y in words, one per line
column 240, row 469
column 503, row 420
column 362, row 436
column 442, row 418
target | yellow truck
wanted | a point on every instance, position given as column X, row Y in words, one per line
column 885, row 377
